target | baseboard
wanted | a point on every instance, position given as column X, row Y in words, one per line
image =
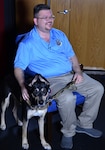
column 94, row 70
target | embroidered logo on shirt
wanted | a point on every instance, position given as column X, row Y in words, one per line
column 59, row 43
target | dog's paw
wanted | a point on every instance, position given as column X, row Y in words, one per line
column 25, row 146
column 47, row 146
column 20, row 123
column 3, row 127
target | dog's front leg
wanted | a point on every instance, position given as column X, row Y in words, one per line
column 25, row 144
column 19, row 122
column 41, row 131
column 4, row 105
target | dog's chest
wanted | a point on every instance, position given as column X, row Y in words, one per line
column 38, row 112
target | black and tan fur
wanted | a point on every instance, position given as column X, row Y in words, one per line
column 38, row 89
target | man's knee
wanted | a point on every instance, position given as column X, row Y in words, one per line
column 67, row 98
column 99, row 89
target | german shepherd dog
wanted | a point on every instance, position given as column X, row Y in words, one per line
column 38, row 89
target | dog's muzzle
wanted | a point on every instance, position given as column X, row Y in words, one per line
column 39, row 91
column 40, row 98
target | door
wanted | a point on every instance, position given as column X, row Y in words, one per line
column 87, row 31
column 61, row 9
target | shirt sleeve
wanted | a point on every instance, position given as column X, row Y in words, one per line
column 22, row 57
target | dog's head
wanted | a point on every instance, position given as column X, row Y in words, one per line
column 39, row 91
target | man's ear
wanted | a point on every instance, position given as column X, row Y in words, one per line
column 35, row 21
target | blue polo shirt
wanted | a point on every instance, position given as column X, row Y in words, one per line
column 46, row 58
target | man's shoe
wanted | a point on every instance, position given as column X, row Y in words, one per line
column 91, row 132
column 66, row 142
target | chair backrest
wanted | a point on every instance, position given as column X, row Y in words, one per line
column 20, row 37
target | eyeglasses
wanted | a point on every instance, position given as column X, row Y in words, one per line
column 46, row 18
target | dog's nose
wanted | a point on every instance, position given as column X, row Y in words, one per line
column 41, row 102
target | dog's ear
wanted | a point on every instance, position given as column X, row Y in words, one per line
column 41, row 78
column 34, row 80
column 44, row 79
column 29, row 87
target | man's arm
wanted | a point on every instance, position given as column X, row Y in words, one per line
column 78, row 77
column 19, row 74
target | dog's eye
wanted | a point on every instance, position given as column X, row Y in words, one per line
column 44, row 91
column 36, row 91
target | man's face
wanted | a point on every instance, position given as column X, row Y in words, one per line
column 44, row 20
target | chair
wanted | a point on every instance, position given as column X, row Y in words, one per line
column 53, row 107
column 79, row 100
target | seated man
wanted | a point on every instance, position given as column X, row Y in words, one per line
column 47, row 51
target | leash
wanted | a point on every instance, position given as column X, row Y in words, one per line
column 70, row 85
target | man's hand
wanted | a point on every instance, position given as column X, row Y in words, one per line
column 25, row 94
column 78, row 77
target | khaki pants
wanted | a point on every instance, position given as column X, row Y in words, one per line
column 93, row 92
